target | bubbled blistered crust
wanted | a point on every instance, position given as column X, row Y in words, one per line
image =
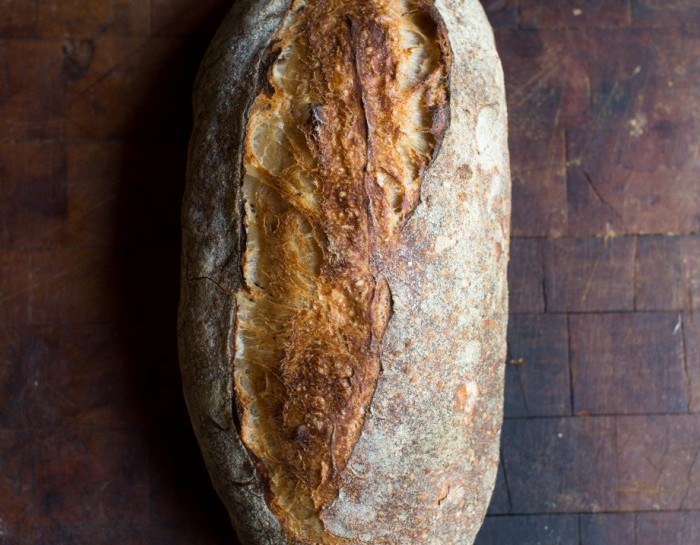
column 351, row 110
column 392, row 332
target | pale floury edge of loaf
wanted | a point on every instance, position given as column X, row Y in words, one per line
column 422, row 467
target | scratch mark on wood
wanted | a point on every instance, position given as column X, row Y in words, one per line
column 600, row 197
column 591, row 275
column 686, row 370
column 688, row 481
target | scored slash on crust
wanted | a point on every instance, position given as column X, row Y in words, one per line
column 350, row 113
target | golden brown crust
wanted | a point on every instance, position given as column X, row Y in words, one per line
column 416, row 455
column 349, row 116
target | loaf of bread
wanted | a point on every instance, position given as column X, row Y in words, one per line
column 345, row 240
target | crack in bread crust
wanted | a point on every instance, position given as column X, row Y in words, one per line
column 349, row 117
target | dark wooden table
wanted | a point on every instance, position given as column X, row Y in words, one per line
column 602, row 435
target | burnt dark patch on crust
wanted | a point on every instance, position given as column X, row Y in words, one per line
column 351, row 108
column 266, row 63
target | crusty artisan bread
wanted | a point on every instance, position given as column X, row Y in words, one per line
column 345, row 240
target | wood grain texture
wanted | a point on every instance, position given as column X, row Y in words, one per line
column 526, row 276
column 611, row 82
column 537, row 378
column 628, row 363
column 94, row 119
